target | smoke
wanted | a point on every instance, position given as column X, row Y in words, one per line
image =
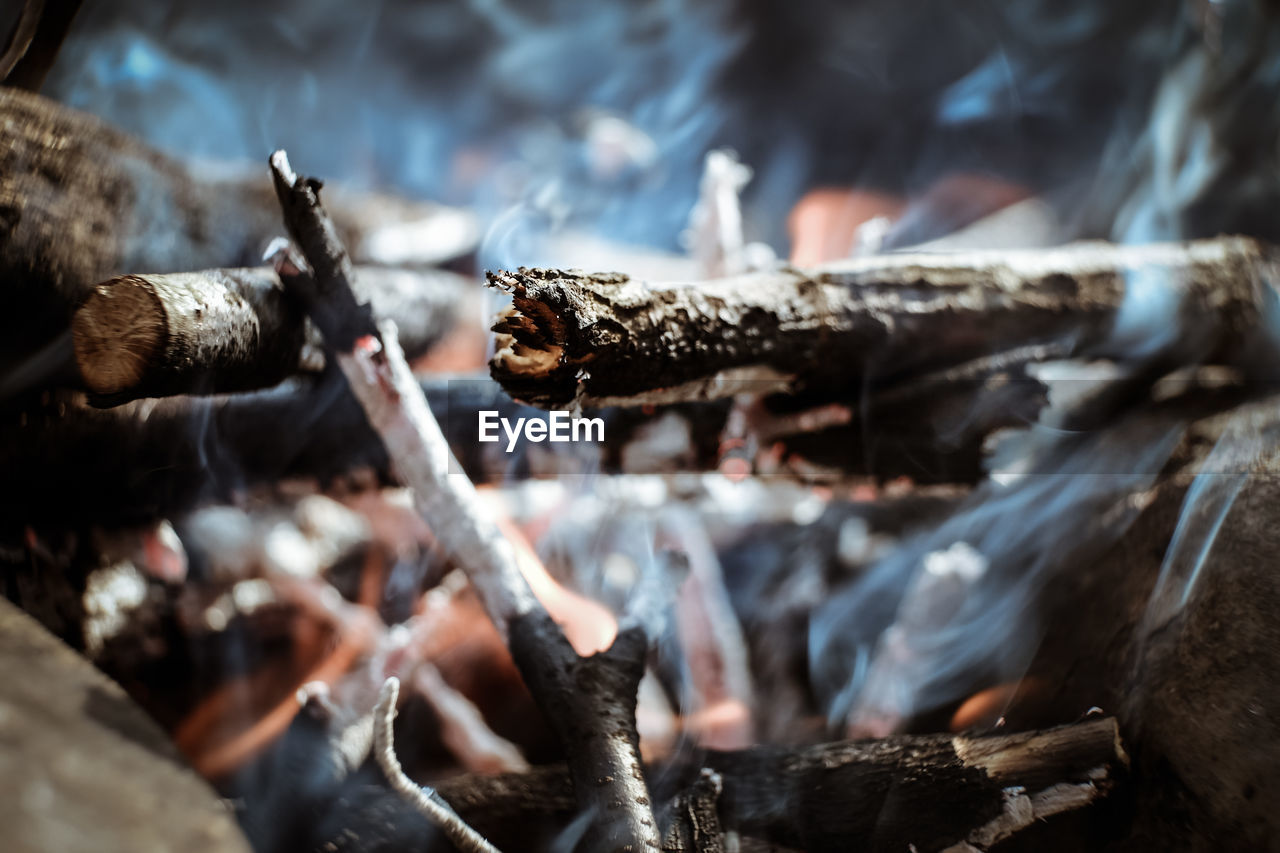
column 533, row 115
column 549, row 115
column 1213, row 492
column 1180, row 161
column 957, row 605
column 1139, row 121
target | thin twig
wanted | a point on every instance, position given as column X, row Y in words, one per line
column 589, row 701
column 424, row 800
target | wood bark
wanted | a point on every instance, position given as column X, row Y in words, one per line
column 591, row 701
column 81, row 201
column 936, row 792
column 603, row 339
column 217, row 331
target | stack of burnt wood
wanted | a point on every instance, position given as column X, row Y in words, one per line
column 154, row 363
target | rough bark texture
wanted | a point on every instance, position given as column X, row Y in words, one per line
column 85, row 768
column 594, row 698
column 232, row 330
column 604, row 339
column 81, row 202
column 214, row 331
column 590, row 702
column 932, row 791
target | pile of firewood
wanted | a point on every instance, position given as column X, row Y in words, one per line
column 167, row 353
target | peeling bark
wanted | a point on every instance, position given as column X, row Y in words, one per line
column 603, row 339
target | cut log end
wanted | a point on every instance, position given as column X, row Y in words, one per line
column 878, row 321
column 514, row 357
column 117, row 333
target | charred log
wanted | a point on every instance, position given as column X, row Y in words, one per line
column 606, row 340
column 936, row 792
column 232, row 330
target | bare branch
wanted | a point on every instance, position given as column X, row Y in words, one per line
column 590, row 701
column 605, row 339
column 424, row 800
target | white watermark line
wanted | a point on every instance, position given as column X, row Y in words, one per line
column 559, row 427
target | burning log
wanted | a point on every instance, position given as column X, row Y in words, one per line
column 924, row 792
column 153, row 458
column 81, row 201
column 602, row 339
column 232, row 330
column 590, row 701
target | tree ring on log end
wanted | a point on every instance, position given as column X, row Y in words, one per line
column 117, row 333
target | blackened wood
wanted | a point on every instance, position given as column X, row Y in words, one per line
column 604, row 339
column 930, row 791
column 328, row 296
column 230, row 330
column 591, row 701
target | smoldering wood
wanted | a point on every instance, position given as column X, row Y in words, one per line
column 589, row 701
column 326, row 290
column 81, row 201
column 692, row 817
column 931, row 791
column 217, row 331
column 1178, row 659
column 603, row 339
column 932, row 428
column 156, row 457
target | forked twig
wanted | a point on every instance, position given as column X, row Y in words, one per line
column 589, row 701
